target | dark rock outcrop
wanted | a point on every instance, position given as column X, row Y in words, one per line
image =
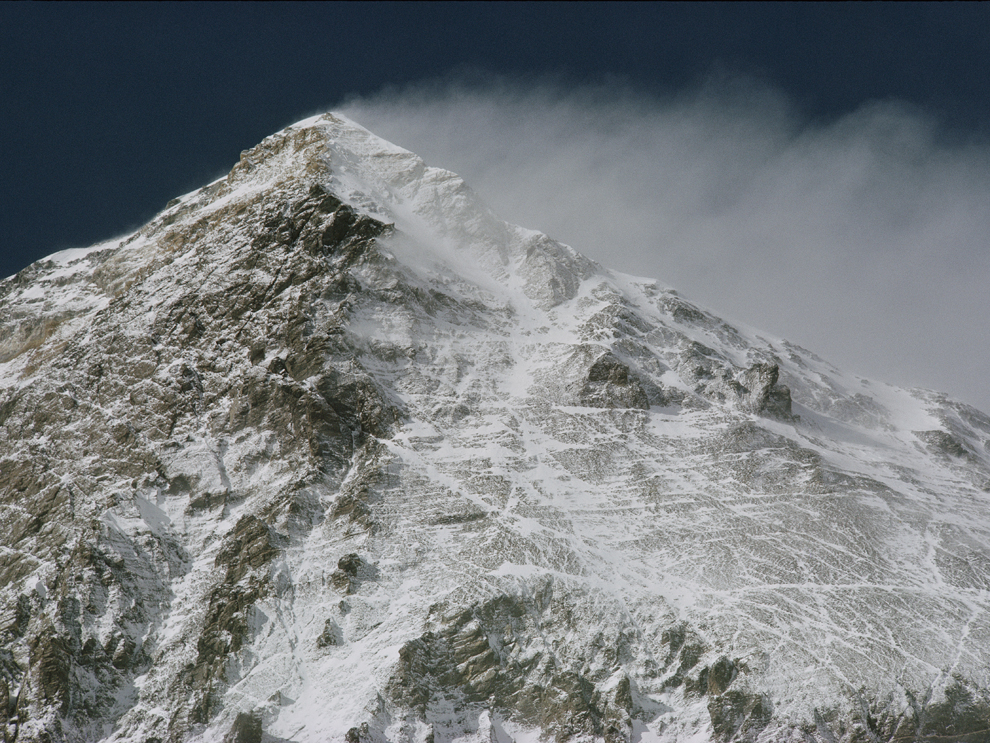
column 609, row 384
column 765, row 396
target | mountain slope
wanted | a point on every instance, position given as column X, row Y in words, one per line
column 326, row 451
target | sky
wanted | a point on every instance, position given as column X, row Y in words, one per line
column 818, row 171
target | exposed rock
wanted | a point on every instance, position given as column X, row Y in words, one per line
column 552, row 272
column 609, row 385
column 766, row 397
column 350, row 573
column 331, row 635
column 754, row 389
column 462, row 659
column 944, row 443
column 721, row 675
column 251, row 544
column 246, row 729
column 738, row 716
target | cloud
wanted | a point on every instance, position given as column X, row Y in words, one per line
column 864, row 238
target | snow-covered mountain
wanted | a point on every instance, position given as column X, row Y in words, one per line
column 328, row 452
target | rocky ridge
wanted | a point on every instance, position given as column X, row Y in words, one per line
column 327, row 451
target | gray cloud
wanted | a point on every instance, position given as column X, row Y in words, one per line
column 864, row 239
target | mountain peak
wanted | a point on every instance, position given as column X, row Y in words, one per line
column 327, row 450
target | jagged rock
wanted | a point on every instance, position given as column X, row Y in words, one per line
column 609, row 385
column 552, row 272
column 463, row 658
column 330, row 635
column 754, row 389
column 944, row 443
column 766, row 397
column 246, row 729
column 738, row 716
column 251, row 544
column 350, row 573
column 721, row 675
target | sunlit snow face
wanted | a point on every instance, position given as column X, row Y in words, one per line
column 863, row 238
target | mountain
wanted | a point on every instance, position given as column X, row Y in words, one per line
column 328, row 452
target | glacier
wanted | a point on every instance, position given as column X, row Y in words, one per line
column 328, row 451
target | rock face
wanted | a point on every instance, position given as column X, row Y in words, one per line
column 326, row 451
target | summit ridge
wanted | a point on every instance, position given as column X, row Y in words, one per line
column 328, row 451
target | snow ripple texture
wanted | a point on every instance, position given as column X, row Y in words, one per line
column 327, row 451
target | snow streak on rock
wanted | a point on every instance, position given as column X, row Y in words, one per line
column 327, row 451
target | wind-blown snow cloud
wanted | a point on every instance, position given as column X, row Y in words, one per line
column 864, row 239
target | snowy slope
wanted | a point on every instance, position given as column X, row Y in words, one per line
column 327, row 450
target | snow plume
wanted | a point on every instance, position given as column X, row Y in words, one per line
column 863, row 238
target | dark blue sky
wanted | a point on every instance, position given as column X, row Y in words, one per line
column 111, row 110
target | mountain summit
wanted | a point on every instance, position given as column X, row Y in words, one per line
column 328, row 452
